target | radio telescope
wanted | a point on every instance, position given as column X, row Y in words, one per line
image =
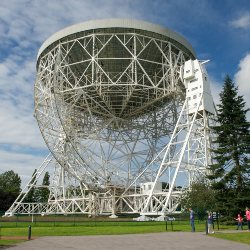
column 124, row 107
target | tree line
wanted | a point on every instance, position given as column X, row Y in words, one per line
column 10, row 188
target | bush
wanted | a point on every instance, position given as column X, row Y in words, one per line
column 227, row 220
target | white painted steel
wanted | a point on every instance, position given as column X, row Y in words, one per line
column 112, row 100
column 93, row 25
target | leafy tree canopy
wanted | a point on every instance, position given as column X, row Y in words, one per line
column 42, row 194
column 30, row 195
column 200, row 197
column 10, row 187
column 10, row 182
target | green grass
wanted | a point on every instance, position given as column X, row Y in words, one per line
column 79, row 227
column 83, row 230
column 9, row 242
column 243, row 237
column 94, row 228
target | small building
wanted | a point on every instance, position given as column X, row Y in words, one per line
column 147, row 186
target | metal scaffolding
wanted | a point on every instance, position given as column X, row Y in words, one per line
column 127, row 125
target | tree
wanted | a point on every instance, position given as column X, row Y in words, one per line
column 10, row 187
column 231, row 171
column 30, row 196
column 42, row 193
column 200, row 197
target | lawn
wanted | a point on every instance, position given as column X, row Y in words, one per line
column 242, row 237
column 90, row 228
column 4, row 243
column 57, row 228
column 17, row 230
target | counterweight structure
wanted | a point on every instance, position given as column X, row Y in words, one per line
column 125, row 110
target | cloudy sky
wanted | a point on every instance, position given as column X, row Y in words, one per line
column 218, row 30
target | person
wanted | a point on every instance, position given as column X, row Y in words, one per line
column 210, row 223
column 248, row 218
column 192, row 219
column 240, row 221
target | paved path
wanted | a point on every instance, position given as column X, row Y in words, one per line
column 155, row 241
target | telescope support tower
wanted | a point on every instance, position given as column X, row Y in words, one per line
column 183, row 160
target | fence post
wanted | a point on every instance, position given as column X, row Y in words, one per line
column 206, row 227
column 166, row 225
column 29, row 232
column 172, row 225
column 217, row 218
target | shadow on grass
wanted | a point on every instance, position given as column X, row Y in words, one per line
column 6, row 243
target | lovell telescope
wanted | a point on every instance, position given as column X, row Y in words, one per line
column 125, row 109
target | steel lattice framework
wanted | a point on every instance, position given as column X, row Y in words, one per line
column 112, row 106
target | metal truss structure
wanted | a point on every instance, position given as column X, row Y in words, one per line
column 113, row 103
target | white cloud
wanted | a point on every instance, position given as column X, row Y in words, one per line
column 216, row 89
column 242, row 22
column 242, row 78
column 33, row 21
column 24, row 25
column 17, row 126
column 23, row 164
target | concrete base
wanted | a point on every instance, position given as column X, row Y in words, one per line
column 113, row 216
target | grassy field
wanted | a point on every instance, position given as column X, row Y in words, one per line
column 16, row 229
column 13, row 230
column 9, row 242
column 93, row 228
column 243, row 237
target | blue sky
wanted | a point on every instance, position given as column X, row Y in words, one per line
column 219, row 30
